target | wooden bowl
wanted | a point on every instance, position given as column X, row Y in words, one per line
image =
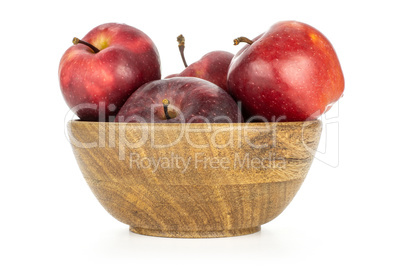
column 194, row 180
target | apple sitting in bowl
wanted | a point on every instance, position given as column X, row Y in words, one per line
column 100, row 72
column 180, row 100
column 289, row 73
column 212, row 67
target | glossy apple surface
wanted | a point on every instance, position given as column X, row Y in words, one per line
column 289, row 73
column 212, row 67
column 191, row 100
column 96, row 85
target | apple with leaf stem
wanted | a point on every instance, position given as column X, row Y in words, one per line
column 100, row 72
column 212, row 67
column 180, row 100
column 290, row 72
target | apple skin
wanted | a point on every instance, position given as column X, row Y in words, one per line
column 103, row 81
column 193, row 99
column 290, row 73
column 212, row 67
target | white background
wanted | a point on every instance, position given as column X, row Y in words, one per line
column 348, row 211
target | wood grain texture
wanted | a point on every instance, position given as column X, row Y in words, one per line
column 194, row 180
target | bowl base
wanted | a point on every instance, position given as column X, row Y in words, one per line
column 194, row 234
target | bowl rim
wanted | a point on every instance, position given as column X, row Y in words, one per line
column 79, row 121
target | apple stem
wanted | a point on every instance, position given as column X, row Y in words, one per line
column 180, row 40
column 166, row 103
column 242, row 39
column 78, row 41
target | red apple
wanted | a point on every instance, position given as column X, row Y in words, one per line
column 102, row 70
column 212, row 67
column 180, row 100
column 290, row 72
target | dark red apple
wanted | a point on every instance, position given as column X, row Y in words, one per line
column 102, row 70
column 289, row 73
column 212, row 67
column 180, row 100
